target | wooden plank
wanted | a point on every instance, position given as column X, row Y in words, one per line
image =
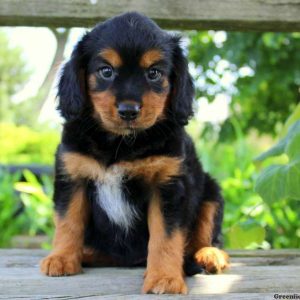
column 28, row 258
column 114, row 281
column 259, row 15
column 233, row 253
column 250, row 277
column 236, row 296
column 265, row 253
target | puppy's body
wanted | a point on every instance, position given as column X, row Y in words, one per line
column 129, row 189
column 119, row 227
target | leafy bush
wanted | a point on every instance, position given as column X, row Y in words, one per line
column 282, row 181
column 9, row 207
column 25, row 207
column 279, row 184
column 20, row 144
column 259, row 70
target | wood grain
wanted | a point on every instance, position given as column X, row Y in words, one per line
column 258, row 15
column 253, row 275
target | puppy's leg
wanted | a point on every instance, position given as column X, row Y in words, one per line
column 66, row 256
column 201, row 246
column 164, row 272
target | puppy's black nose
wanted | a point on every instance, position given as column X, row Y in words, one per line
column 128, row 111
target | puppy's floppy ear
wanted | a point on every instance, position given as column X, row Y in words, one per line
column 182, row 88
column 71, row 87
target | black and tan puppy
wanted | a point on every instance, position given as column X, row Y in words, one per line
column 129, row 189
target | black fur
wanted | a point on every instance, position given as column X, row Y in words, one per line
column 71, row 87
column 182, row 89
column 131, row 35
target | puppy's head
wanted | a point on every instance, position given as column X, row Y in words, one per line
column 130, row 74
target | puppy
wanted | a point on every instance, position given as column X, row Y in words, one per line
column 129, row 190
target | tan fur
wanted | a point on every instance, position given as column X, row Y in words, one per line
column 81, row 166
column 164, row 272
column 213, row 259
column 150, row 57
column 200, row 245
column 94, row 258
column 65, row 259
column 202, row 236
column 105, row 108
column 154, row 169
column 112, row 57
column 92, row 80
column 165, row 83
column 153, row 109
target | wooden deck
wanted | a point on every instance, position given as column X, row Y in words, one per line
column 253, row 275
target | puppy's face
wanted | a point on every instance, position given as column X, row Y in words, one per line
column 129, row 86
column 131, row 73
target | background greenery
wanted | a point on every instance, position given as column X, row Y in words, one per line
column 259, row 74
column 264, row 75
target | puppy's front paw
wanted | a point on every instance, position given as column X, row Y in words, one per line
column 158, row 284
column 212, row 259
column 60, row 265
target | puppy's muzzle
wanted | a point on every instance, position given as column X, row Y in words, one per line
column 128, row 111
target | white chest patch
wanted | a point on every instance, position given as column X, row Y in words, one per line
column 111, row 198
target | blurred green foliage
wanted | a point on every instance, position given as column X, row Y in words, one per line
column 8, row 208
column 20, row 144
column 25, row 206
column 259, row 70
column 280, row 183
column 13, row 75
column 260, row 73
column 249, row 221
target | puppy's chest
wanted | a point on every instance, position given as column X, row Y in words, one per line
column 120, row 197
column 122, row 189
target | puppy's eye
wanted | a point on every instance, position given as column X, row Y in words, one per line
column 154, row 74
column 106, row 72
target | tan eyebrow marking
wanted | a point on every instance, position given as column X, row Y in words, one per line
column 112, row 57
column 150, row 57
